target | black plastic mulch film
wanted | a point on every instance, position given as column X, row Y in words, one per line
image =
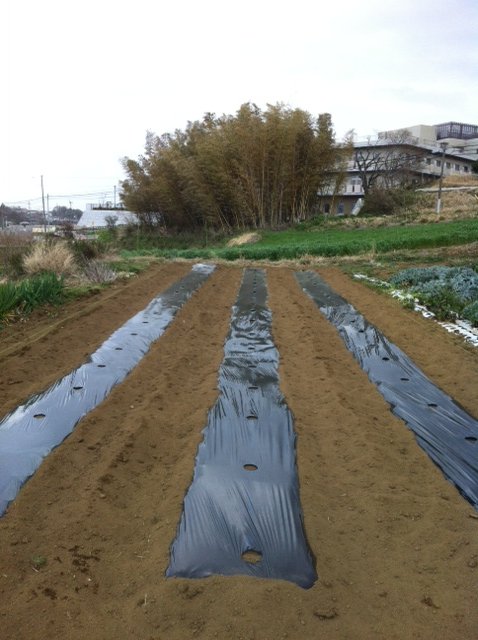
column 32, row 430
column 444, row 430
column 242, row 511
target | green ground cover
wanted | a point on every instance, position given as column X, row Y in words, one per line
column 295, row 243
column 22, row 297
column 447, row 291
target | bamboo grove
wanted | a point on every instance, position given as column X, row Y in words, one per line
column 255, row 169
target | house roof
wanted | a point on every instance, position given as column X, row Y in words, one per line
column 423, row 147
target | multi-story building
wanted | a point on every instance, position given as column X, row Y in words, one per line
column 416, row 154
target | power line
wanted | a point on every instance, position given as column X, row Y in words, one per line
column 26, row 201
column 91, row 194
column 82, row 195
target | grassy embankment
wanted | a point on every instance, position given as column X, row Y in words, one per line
column 323, row 241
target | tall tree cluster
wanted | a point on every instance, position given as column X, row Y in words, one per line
column 254, row 169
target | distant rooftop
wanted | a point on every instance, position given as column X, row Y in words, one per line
column 458, row 130
column 99, row 216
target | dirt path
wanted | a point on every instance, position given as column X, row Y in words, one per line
column 396, row 548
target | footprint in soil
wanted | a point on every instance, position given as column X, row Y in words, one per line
column 81, row 560
column 326, row 614
column 187, row 592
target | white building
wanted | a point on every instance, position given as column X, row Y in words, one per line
column 452, row 144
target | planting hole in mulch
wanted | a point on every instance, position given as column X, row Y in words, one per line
column 440, row 433
column 225, row 510
column 27, row 447
column 252, row 556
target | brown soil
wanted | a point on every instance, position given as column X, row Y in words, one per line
column 396, row 545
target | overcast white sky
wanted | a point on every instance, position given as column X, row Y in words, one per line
column 81, row 82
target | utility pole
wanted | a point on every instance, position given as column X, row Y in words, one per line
column 114, row 197
column 43, row 205
column 443, row 146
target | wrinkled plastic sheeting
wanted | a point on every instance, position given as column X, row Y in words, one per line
column 228, row 509
column 32, row 430
column 444, row 430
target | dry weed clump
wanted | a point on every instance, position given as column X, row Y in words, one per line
column 98, row 272
column 56, row 258
column 12, row 239
column 13, row 247
column 245, row 238
column 307, row 258
column 460, row 181
column 456, row 205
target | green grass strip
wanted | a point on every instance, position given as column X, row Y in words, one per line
column 293, row 244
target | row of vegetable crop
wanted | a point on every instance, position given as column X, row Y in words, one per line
column 447, row 291
column 290, row 245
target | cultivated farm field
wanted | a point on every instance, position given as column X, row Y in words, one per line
column 85, row 545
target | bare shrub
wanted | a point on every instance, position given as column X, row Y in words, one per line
column 13, row 247
column 54, row 257
column 98, row 272
column 85, row 250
